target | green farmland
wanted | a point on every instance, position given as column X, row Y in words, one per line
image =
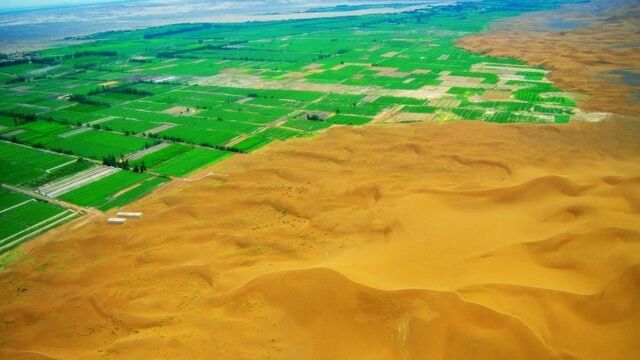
column 103, row 123
column 108, row 192
column 21, row 164
column 22, row 217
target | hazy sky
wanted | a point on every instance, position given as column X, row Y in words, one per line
column 16, row 4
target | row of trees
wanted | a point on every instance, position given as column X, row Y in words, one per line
column 112, row 160
column 19, row 118
column 125, row 89
column 205, row 144
column 82, row 99
column 122, row 163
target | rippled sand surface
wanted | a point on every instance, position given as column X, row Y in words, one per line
column 461, row 240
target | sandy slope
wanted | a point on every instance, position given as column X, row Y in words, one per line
column 583, row 59
column 458, row 240
column 461, row 240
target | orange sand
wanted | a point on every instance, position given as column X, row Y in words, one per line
column 581, row 60
column 462, row 240
column 458, row 240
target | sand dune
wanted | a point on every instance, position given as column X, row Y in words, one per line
column 584, row 60
column 456, row 240
column 461, row 240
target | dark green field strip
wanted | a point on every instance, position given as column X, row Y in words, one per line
column 295, row 95
column 101, row 192
column 158, row 157
column 190, row 161
column 25, row 219
column 16, row 234
column 134, row 194
column 10, row 198
column 146, row 105
column 7, row 229
column 31, row 213
column 40, row 132
column 74, row 117
column 342, row 119
column 278, row 133
column 250, row 114
column 426, row 109
column 534, row 76
column 127, row 125
column 253, row 143
column 21, row 164
column 307, row 125
column 97, row 144
column 61, row 172
column 352, row 105
column 6, row 122
column 197, row 122
column 198, row 136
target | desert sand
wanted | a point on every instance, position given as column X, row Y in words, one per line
column 583, row 60
column 462, row 240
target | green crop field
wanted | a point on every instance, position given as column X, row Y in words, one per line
column 103, row 193
column 189, row 161
column 21, row 164
column 22, row 217
column 167, row 101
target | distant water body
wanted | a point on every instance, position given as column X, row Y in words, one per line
column 35, row 29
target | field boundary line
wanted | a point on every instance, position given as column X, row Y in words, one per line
column 40, row 230
column 61, row 165
column 62, row 213
column 17, row 205
column 38, row 149
column 38, row 196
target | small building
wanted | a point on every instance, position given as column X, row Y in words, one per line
column 127, row 214
column 116, row 220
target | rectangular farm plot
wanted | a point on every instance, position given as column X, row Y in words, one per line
column 342, row 119
column 73, row 117
column 38, row 132
column 253, row 143
column 128, row 125
column 103, row 193
column 306, row 125
column 267, row 136
column 348, row 104
column 190, row 161
column 135, row 193
column 22, row 217
column 22, row 164
column 146, row 105
column 10, row 199
column 96, row 144
column 249, row 114
column 198, row 136
column 158, row 157
column 278, row 133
